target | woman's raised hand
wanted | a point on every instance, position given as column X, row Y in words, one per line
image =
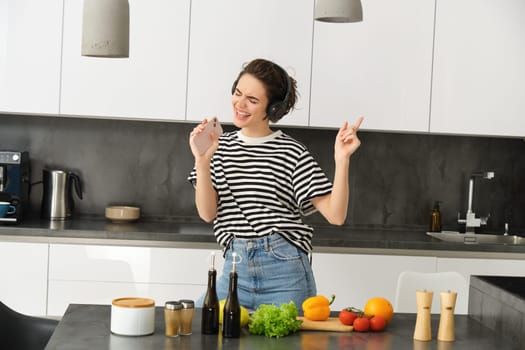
column 347, row 141
column 214, row 141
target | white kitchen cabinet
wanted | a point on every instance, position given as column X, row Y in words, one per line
column 355, row 278
column 226, row 34
column 30, row 48
column 63, row 293
column 150, row 84
column 3, row 53
column 478, row 82
column 98, row 274
column 23, row 271
column 379, row 68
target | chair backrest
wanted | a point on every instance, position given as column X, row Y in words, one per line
column 409, row 282
column 19, row 331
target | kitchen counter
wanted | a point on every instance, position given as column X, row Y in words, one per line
column 186, row 233
column 88, row 327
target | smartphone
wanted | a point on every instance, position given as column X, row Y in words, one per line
column 203, row 140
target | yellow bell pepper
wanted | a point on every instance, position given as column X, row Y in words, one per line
column 317, row 308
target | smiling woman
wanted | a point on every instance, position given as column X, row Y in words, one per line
column 256, row 184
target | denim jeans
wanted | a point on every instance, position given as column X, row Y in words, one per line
column 271, row 271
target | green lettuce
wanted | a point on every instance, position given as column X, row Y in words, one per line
column 273, row 321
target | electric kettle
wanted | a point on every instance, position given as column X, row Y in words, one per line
column 57, row 198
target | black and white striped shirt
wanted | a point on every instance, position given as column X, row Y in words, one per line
column 264, row 186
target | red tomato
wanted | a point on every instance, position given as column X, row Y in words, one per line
column 361, row 324
column 347, row 317
column 377, row 323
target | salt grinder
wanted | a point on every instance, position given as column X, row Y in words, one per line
column 446, row 321
column 424, row 305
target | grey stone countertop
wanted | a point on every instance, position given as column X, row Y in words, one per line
column 185, row 233
column 88, row 327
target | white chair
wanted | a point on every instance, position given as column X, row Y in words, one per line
column 409, row 282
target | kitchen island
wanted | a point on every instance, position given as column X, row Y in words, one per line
column 88, row 327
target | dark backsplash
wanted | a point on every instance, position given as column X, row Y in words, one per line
column 395, row 178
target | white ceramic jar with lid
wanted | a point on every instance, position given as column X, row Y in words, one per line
column 132, row 316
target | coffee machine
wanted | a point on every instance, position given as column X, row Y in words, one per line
column 15, row 180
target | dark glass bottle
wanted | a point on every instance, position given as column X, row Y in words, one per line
column 435, row 218
column 231, row 318
column 210, row 307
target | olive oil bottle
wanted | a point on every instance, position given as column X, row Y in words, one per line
column 231, row 319
column 435, row 218
column 210, row 307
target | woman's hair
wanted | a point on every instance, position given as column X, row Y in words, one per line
column 281, row 89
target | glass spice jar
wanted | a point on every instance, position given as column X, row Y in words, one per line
column 186, row 316
column 172, row 318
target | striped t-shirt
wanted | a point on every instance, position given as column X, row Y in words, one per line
column 264, row 186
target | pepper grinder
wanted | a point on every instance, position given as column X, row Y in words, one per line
column 446, row 321
column 424, row 304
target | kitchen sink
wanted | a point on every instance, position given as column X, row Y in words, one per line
column 477, row 238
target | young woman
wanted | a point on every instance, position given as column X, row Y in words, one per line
column 255, row 184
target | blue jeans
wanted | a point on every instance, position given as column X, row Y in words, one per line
column 271, row 271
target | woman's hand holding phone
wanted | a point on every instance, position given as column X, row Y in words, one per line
column 204, row 136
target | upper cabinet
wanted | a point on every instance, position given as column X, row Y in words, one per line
column 479, row 71
column 226, row 34
column 150, row 84
column 379, row 68
column 438, row 66
column 30, row 44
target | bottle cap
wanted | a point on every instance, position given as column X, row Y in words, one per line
column 173, row 305
column 235, row 261
column 212, row 261
column 187, row 304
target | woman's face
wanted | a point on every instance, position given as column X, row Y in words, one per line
column 249, row 103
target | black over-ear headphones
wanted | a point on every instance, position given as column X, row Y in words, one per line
column 275, row 110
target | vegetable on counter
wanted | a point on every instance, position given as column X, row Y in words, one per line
column 377, row 313
column 379, row 306
column 362, row 324
column 317, row 308
column 377, row 323
column 348, row 315
column 273, row 321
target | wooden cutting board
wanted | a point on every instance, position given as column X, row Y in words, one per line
column 331, row 324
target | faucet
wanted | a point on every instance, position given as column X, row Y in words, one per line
column 471, row 221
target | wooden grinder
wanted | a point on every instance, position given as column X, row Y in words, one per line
column 424, row 305
column 446, row 321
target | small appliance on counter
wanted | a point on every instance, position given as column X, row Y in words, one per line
column 15, row 177
column 57, row 197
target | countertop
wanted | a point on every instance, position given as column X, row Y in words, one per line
column 88, row 327
column 185, row 233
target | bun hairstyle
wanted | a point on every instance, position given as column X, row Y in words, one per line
column 281, row 89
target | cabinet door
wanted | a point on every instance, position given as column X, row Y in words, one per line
column 98, row 274
column 62, row 293
column 23, row 267
column 30, row 46
column 355, row 278
column 479, row 76
column 379, row 68
column 151, row 83
column 226, row 34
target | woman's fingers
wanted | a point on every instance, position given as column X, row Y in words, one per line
column 349, row 133
column 357, row 124
column 198, row 129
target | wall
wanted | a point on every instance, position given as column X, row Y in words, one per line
column 394, row 177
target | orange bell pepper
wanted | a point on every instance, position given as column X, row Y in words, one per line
column 317, row 308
